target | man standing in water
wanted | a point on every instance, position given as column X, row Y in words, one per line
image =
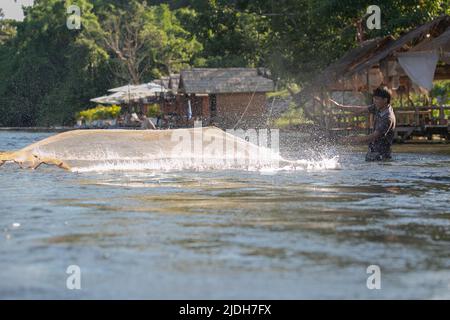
column 380, row 140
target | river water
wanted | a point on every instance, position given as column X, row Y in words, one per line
column 229, row 234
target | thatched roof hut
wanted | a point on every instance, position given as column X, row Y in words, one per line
column 406, row 42
column 225, row 80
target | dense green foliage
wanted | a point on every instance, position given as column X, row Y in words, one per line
column 99, row 113
column 441, row 92
column 49, row 72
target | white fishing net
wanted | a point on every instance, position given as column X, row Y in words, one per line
column 180, row 148
column 195, row 148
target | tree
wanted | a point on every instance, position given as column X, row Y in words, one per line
column 179, row 47
column 144, row 41
column 7, row 28
column 231, row 37
column 307, row 35
column 49, row 71
column 127, row 36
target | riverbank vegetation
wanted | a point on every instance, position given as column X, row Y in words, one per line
column 99, row 113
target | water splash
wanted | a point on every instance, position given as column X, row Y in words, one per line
column 197, row 149
column 168, row 165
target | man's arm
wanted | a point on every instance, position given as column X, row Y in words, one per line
column 354, row 109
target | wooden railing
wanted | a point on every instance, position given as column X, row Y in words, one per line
column 420, row 116
column 406, row 117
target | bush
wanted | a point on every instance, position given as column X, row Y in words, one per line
column 153, row 110
column 291, row 117
column 99, row 113
column 441, row 92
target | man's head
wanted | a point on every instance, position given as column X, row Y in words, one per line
column 381, row 97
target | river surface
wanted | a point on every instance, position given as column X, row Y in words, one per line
column 229, row 234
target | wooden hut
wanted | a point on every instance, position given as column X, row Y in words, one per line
column 407, row 64
column 228, row 97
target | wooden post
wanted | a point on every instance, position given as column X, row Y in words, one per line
column 441, row 114
column 343, row 103
column 416, row 115
column 321, row 113
column 368, row 101
column 327, row 119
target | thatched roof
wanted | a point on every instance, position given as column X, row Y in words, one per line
column 356, row 63
column 413, row 37
column 440, row 43
column 225, row 80
column 353, row 58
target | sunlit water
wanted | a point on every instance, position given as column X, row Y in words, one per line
column 228, row 234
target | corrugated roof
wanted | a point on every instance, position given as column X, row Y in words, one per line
column 224, row 80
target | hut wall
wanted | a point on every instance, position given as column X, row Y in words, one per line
column 199, row 105
column 231, row 106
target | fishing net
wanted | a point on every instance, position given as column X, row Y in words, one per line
column 196, row 148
